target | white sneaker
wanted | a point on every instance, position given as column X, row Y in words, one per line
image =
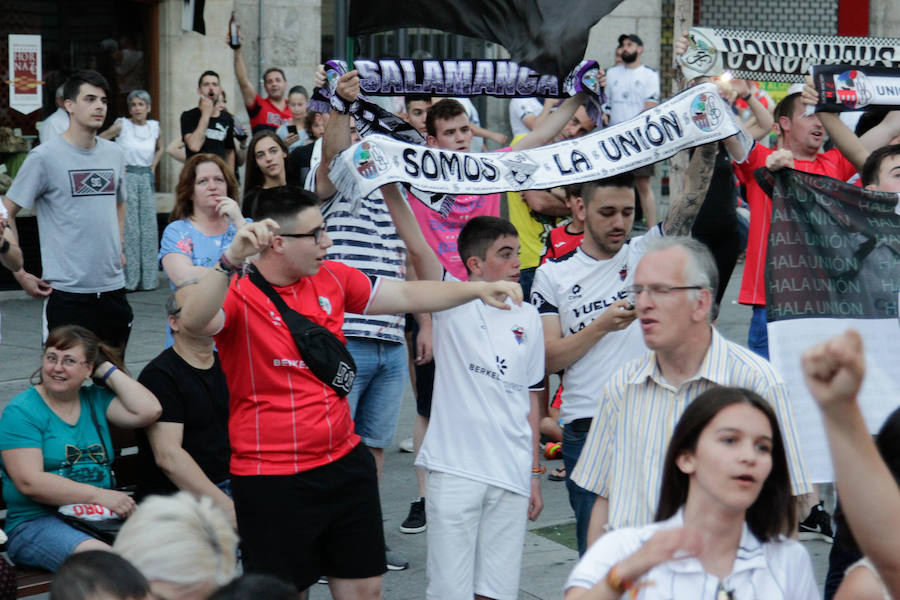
column 406, row 445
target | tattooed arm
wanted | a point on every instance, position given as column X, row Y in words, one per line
column 683, row 211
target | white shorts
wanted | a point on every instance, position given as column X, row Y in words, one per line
column 476, row 533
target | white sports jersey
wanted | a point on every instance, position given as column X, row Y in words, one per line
column 578, row 288
column 519, row 108
column 628, row 90
column 485, row 360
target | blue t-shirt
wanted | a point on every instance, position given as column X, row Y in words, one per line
column 181, row 237
column 75, row 452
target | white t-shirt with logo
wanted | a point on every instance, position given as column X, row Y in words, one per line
column 579, row 288
column 627, row 91
column 486, row 359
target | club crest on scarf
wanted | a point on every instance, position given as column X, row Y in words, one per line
column 706, row 111
column 369, row 160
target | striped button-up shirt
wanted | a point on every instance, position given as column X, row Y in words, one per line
column 623, row 456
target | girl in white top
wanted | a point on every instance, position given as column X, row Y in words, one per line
column 139, row 139
column 724, row 511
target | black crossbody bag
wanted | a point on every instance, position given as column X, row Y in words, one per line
column 325, row 355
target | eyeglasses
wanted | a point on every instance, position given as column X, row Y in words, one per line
column 656, row 290
column 315, row 234
column 67, row 361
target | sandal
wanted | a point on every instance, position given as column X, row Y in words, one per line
column 557, row 474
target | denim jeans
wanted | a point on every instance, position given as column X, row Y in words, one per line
column 758, row 337
column 381, row 376
column 581, row 500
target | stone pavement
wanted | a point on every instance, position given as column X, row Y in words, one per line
column 545, row 564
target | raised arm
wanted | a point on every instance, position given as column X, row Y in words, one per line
column 134, row 406
column 424, row 260
column 196, row 138
column 834, row 372
column 546, row 130
column 683, row 211
column 764, row 120
column 845, row 140
column 113, row 132
column 201, row 312
column 248, row 92
column 337, row 134
column 394, row 296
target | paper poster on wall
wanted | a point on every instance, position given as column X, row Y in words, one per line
column 25, row 73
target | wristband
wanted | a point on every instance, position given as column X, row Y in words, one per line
column 538, row 471
column 109, row 372
column 226, row 266
column 616, row 582
column 4, row 248
column 344, row 107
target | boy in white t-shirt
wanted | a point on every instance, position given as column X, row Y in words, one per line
column 481, row 449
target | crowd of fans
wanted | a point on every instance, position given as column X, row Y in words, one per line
column 298, row 315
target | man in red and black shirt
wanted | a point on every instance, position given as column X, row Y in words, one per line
column 802, row 137
column 305, row 489
column 269, row 112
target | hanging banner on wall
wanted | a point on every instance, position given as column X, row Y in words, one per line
column 779, row 56
column 25, row 73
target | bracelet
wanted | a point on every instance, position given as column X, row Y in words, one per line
column 538, row 471
column 109, row 372
column 344, row 107
column 616, row 582
column 4, row 248
column 226, row 266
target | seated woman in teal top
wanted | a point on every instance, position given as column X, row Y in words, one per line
column 56, row 448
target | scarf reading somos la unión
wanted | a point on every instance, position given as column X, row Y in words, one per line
column 693, row 117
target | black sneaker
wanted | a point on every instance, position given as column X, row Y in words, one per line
column 817, row 526
column 395, row 561
column 415, row 521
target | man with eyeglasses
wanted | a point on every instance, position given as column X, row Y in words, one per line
column 586, row 316
column 674, row 299
column 305, row 490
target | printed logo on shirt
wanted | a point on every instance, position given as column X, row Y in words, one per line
column 501, row 364
column 325, row 304
column 276, row 318
column 623, row 272
column 519, row 333
column 289, row 362
column 217, row 133
column 93, row 182
column 576, row 292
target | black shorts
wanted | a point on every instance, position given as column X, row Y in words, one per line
column 326, row 521
column 424, row 374
column 107, row 314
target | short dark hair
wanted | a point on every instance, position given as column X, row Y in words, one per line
column 410, row 98
column 772, row 513
column 207, row 73
column 73, row 84
column 869, row 173
column 478, row 235
column 273, row 70
column 623, row 180
column 785, row 108
column 299, row 89
column 282, row 203
column 573, row 190
column 86, row 575
column 443, row 110
column 251, row 586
